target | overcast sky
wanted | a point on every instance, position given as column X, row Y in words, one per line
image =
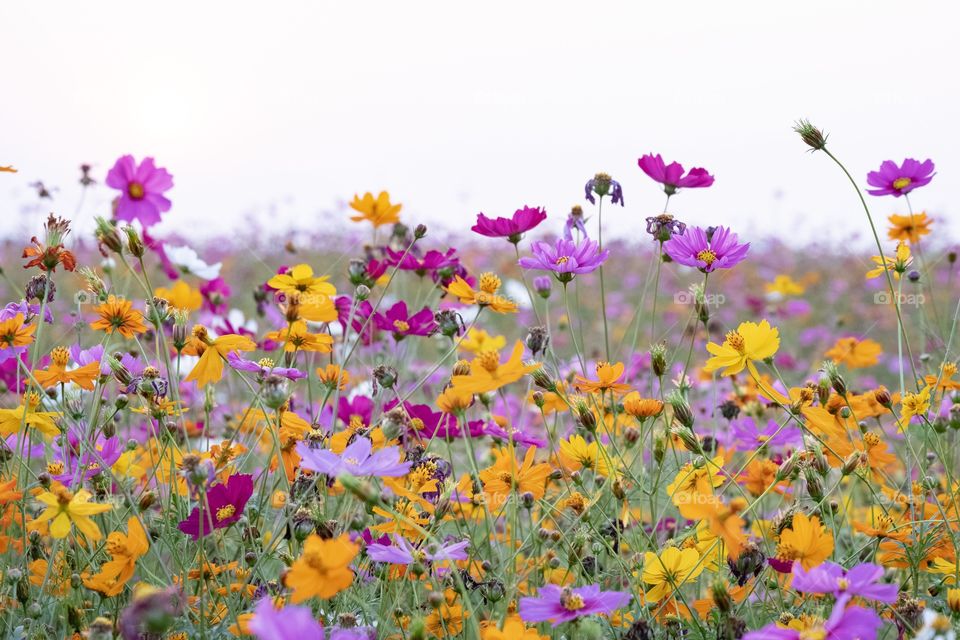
column 284, row 109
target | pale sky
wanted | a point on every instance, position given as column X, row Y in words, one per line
column 284, row 109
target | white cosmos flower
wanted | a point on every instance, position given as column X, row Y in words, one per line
column 187, row 261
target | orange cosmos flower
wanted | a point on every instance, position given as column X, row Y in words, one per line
column 909, row 228
column 640, row 407
column 607, row 376
column 487, row 373
column 296, row 337
column 117, row 314
column 505, row 476
column 14, row 333
column 212, row 354
column 324, row 568
column 806, row 541
column 855, row 353
column 378, row 211
column 125, row 550
column 57, row 372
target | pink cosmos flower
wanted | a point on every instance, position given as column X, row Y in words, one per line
column 141, row 190
column 707, row 249
column 357, row 459
column 224, row 506
column 895, row 181
column 398, row 321
column 512, row 228
column 671, row 175
column 566, row 604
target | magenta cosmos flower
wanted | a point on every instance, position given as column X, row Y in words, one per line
column 862, row 580
column 895, row 181
column 510, row 228
column 398, row 321
column 855, row 623
column 357, row 459
column 141, row 190
column 224, row 506
column 565, row 258
column 566, row 604
column 671, row 175
column 707, row 250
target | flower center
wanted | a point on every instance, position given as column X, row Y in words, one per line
column 708, row 256
column 401, row 326
column 356, row 422
column 900, row 183
column 225, row 512
column 562, row 260
column 55, row 468
column 135, row 190
column 266, row 363
column 489, row 283
column 735, row 340
column 816, row 633
column 417, row 424
column 571, row 601
column 59, row 356
column 351, row 461
column 843, row 584
column 871, row 439
column 489, row 360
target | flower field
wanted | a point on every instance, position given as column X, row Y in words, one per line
column 520, row 429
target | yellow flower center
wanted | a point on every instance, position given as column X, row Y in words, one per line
column 489, row 360
column 735, row 340
column 949, row 370
column 572, row 601
column 135, row 190
column 900, row 183
column 33, row 399
column 55, row 468
column 401, row 326
column 871, row 439
column 941, row 624
column 59, row 356
column 356, row 423
column 63, row 496
column 816, row 633
column 843, row 584
column 199, row 332
column 417, row 424
column 489, row 283
column 708, row 256
column 266, row 363
column 562, row 260
column 225, row 512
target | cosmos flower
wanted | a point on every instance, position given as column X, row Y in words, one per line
column 118, row 314
column 506, row 476
column 186, row 260
column 565, row 258
column 805, row 541
column 223, row 505
column 141, row 190
column 377, row 211
column 402, row 552
column 853, row 623
column 893, row 180
column 608, row 376
column 263, row 368
column 909, row 228
column 671, row 175
column 601, row 185
column 65, row 508
column 862, row 580
column 896, row 264
column 740, row 348
column 669, row 570
column 707, row 250
column 563, row 604
column 15, row 336
column 401, row 324
column 291, row 622
column 747, row 435
column 487, row 373
column 125, row 550
column 324, row 568
column 511, row 228
column 357, row 459
column 83, row 376
column 213, row 353
column 486, row 296
column 855, row 353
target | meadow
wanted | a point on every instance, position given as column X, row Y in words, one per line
column 514, row 431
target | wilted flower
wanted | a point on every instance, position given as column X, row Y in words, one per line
column 602, row 184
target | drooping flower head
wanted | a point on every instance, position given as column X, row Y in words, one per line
column 223, row 506
column 602, row 185
column 671, row 175
column 706, row 249
column 665, row 226
column 896, row 181
column 565, row 258
column 141, row 190
column 560, row 605
column 511, row 228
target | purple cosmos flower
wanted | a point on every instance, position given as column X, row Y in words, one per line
column 109, row 451
column 707, row 250
column 575, row 222
column 358, row 409
column 602, row 185
column 566, row 604
column 402, row 552
column 290, row 623
column 398, row 321
column 855, row 623
column 671, row 175
column 747, row 435
column 224, row 506
column 510, row 228
column 829, row 577
column 263, row 368
column 565, row 258
column 215, row 294
column 141, row 190
column 895, row 181
column 357, row 459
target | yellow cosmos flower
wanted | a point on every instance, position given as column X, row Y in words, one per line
column 750, row 342
column 639, row 407
column 897, row 263
column 57, row 372
column 65, row 508
column 478, row 340
column 576, row 453
column 324, row 568
column 296, row 337
column 909, row 228
column 607, row 379
column 377, row 211
column 485, row 297
column 212, row 354
column 915, row 404
column 487, row 373
column 181, row 295
column 784, row 285
column 855, row 353
column 314, row 296
column 805, row 541
column 14, row 333
column 27, row 414
column 669, row 570
column 125, row 550
column 513, row 629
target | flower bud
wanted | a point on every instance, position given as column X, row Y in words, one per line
column 812, row 136
column 134, row 243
